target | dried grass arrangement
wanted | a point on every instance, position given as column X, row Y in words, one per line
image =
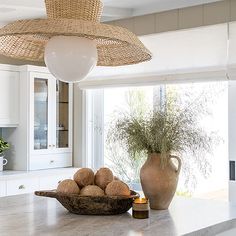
column 166, row 130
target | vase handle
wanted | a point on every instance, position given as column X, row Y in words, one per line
column 4, row 161
column 179, row 163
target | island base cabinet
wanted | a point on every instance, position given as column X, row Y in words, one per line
column 48, row 161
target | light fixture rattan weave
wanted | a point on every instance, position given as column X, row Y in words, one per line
column 26, row 39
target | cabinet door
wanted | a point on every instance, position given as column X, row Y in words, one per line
column 63, row 115
column 51, row 121
column 21, row 186
column 41, row 112
column 9, row 98
column 51, row 182
column 2, row 188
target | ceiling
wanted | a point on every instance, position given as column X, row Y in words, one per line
column 11, row 10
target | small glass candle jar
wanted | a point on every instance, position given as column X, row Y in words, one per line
column 140, row 208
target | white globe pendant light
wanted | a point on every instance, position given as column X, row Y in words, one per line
column 70, row 58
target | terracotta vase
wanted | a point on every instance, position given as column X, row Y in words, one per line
column 159, row 182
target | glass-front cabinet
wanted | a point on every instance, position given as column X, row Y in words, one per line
column 50, row 122
column 52, row 116
column 62, row 114
column 40, row 114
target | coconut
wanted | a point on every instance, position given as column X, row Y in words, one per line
column 103, row 177
column 84, row 177
column 117, row 188
column 116, row 178
column 68, row 186
column 92, row 190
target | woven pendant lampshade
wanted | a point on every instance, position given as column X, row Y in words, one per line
column 26, row 39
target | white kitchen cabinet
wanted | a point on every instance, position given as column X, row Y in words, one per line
column 43, row 138
column 21, row 186
column 53, row 160
column 9, row 97
column 47, row 183
column 22, row 182
column 2, row 188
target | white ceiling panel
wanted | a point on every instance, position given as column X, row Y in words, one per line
column 11, row 10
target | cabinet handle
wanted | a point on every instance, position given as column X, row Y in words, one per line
column 52, row 161
column 54, row 145
column 21, row 187
column 50, row 145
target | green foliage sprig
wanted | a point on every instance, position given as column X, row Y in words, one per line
column 3, row 146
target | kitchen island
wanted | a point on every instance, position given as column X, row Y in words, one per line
column 25, row 215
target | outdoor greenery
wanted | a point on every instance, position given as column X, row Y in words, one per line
column 122, row 164
column 169, row 129
column 3, row 146
column 125, row 166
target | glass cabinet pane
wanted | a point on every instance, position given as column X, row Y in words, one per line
column 62, row 114
column 40, row 114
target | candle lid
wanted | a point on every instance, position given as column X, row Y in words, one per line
column 141, row 200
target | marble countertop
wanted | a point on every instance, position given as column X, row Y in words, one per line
column 25, row 215
column 8, row 174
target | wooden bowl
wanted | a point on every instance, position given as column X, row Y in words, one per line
column 85, row 205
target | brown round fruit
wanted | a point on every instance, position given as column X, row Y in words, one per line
column 92, row 190
column 103, row 177
column 117, row 188
column 84, row 177
column 116, row 178
column 68, row 186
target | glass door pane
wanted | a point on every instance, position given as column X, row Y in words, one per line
column 40, row 114
column 62, row 114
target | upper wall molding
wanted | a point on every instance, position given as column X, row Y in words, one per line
column 184, row 18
